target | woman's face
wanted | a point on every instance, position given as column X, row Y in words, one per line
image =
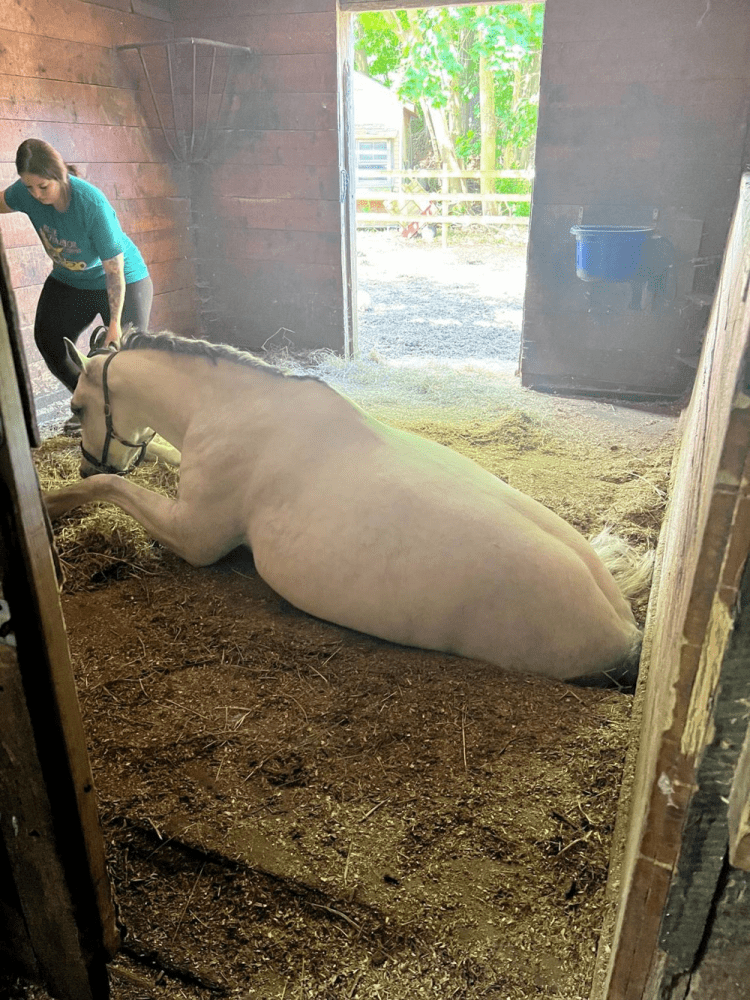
column 44, row 189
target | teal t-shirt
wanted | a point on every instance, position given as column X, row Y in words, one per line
column 81, row 237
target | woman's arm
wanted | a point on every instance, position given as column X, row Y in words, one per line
column 4, row 206
column 114, row 275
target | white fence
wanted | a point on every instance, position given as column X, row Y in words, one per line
column 408, row 202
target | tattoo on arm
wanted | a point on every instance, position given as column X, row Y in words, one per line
column 114, row 275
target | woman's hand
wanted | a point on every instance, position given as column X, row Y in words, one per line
column 114, row 333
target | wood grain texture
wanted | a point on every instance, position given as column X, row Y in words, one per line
column 69, row 826
column 28, row 837
column 185, row 9
column 78, row 22
column 704, row 546
column 279, row 34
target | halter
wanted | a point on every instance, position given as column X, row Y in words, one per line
column 101, row 465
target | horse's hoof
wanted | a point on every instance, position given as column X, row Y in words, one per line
column 54, row 505
column 622, row 678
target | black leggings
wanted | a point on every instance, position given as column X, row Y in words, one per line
column 64, row 311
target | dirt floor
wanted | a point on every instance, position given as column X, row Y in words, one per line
column 294, row 810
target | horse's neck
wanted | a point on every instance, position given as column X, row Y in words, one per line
column 163, row 390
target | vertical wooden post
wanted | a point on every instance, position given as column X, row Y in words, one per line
column 28, row 833
column 46, row 756
column 672, row 862
column 444, row 207
column 347, row 171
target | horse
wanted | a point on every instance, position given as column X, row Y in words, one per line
column 349, row 519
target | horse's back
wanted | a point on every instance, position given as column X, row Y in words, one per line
column 388, row 533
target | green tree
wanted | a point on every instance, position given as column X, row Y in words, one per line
column 472, row 71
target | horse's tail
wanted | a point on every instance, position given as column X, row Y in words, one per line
column 631, row 568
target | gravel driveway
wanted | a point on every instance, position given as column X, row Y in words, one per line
column 416, row 299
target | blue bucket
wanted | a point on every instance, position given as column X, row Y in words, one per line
column 609, row 253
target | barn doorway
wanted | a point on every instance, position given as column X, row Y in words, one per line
column 443, row 120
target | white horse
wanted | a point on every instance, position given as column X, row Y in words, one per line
column 350, row 520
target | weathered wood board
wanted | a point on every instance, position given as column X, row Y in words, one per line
column 48, row 816
column 693, row 722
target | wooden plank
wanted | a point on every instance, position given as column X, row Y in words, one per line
column 20, row 368
column 739, row 811
column 278, row 35
column 174, row 276
column 258, row 300
column 289, row 74
column 59, row 59
column 301, row 182
column 142, row 215
column 178, row 311
column 114, row 4
column 28, row 836
column 266, row 110
column 653, row 174
column 299, row 215
column 78, row 22
column 724, row 968
column 160, row 245
column 705, row 544
column 16, row 956
column 347, row 170
column 269, row 34
column 192, row 9
column 289, row 246
column 256, row 147
column 579, row 20
column 690, row 56
column 160, row 11
column 32, row 100
column 709, row 99
column 49, row 690
column 95, row 143
column 26, row 300
column 17, row 230
column 147, row 221
column 354, row 6
column 28, row 266
column 126, row 181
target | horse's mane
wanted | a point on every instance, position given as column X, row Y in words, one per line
column 165, row 340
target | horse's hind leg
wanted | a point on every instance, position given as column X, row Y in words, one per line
column 193, row 534
column 161, row 451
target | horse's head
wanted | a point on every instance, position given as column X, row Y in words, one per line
column 104, row 448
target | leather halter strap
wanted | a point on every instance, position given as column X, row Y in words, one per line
column 101, row 464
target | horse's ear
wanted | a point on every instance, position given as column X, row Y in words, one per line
column 75, row 356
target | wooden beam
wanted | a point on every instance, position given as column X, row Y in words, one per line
column 28, row 834
column 703, row 548
column 30, row 587
column 739, row 812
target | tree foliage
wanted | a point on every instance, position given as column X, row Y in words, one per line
column 432, row 57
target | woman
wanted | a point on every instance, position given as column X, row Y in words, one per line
column 96, row 268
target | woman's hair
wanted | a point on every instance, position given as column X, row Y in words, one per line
column 35, row 156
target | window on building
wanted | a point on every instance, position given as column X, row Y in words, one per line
column 374, row 154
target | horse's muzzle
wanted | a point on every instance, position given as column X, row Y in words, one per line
column 87, row 470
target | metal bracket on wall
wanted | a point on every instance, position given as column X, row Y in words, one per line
column 190, row 78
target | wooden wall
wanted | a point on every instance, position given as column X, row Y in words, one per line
column 62, row 81
column 683, row 919
column 268, row 215
column 643, row 112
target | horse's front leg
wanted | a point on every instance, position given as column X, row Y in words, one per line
column 189, row 531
